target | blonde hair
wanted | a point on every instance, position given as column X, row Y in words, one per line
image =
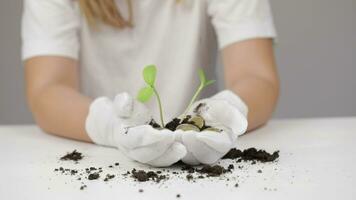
column 106, row 11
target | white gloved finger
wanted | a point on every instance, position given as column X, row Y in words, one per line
column 131, row 112
column 220, row 112
column 124, row 105
column 199, row 149
column 144, row 143
column 99, row 120
column 144, row 135
column 219, row 141
column 140, row 115
column 190, row 159
column 173, row 154
column 149, row 153
column 232, row 99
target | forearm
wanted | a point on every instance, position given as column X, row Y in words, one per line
column 261, row 97
column 61, row 110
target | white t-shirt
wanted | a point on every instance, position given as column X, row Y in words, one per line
column 178, row 38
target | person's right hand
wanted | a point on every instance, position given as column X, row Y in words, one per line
column 121, row 124
column 151, row 146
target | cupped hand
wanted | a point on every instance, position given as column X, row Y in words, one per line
column 121, row 123
column 224, row 111
column 151, row 146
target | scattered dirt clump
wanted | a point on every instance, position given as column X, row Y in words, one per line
column 189, row 177
column 93, row 176
column 213, row 171
column 74, row 156
column 189, row 173
column 83, row 187
column 252, row 154
column 154, row 124
column 109, row 177
column 143, row 176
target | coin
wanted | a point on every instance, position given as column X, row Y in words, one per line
column 188, row 127
column 198, row 121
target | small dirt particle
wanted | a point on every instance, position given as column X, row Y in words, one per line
column 93, row 176
column 108, row 177
column 74, row 156
column 154, row 124
column 189, row 177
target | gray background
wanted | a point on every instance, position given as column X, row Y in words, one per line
column 316, row 55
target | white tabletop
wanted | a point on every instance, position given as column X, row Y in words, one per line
column 317, row 161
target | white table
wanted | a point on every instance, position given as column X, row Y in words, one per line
column 317, row 161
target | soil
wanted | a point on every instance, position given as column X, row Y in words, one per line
column 174, row 123
column 209, row 171
column 154, row 124
column 143, row 176
column 190, row 173
column 109, row 176
column 93, row 176
column 213, row 171
column 252, row 154
column 189, row 177
column 74, row 156
column 186, row 119
column 83, row 187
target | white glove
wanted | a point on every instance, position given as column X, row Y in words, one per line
column 121, row 124
column 151, row 146
column 225, row 111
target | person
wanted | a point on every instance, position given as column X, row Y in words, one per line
column 79, row 54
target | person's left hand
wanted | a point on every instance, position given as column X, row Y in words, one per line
column 224, row 111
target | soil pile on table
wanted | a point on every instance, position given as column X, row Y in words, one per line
column 252, row 154
column 179, row 170
column 143, row 176
column 74, row 156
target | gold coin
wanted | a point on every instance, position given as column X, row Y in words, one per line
column 198, row 121
column 188, row 127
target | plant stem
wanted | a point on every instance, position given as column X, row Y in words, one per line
column 201, row 87
column 160, row 106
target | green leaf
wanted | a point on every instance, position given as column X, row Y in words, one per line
column 202, row 77
column 145, row 94
column 149, row 74
column 209, row 82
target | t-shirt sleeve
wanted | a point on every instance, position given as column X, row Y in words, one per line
column 237, row 20
column 50, row 27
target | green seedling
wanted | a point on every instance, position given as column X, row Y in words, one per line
column 149, row 76
column 145, row 94
column 203, row 84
